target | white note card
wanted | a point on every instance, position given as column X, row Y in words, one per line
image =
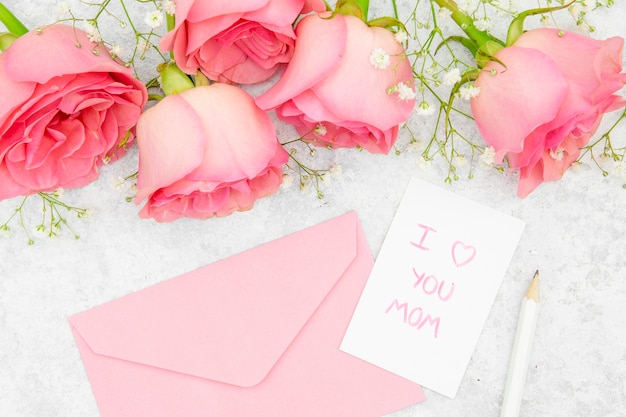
column 432, row 287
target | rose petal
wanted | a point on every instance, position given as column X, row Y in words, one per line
column 234, row 150
column 530, row 78
column 320, row 45
column 56, row 46
column 168, row 151
column 356, row 90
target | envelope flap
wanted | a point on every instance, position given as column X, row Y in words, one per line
column 232, row 320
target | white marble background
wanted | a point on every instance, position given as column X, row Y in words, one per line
column 575, row 235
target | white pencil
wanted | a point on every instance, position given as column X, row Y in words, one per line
column 522, row 347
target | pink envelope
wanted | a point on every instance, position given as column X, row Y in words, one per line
column 254, row 335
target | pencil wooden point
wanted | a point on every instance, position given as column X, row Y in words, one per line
column 533, row 289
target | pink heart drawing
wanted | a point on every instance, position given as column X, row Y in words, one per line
column 462, row 254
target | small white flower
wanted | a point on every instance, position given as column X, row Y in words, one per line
column 320, row 129
column 380, row 59
column 93, row 34
column 444, row 13
column 459, row 161
column 424, row 109
column 545, row 20
column 619, row 169
column 335, row 170
column 119, row 183
column 469, row 91
column 557, row 154
column 287, row 181
column 401, row 36
column 154, row 19
column 415, row 146
column 143, row 46
column 86, row 214
column 488, row 157
column 117, row 51
column 576, row 166
column 483, row 24
column 423, row 163
column 63, row 8
column 59, row 192
column 466, row 6
column 405, row 92
column 452, row 77
column 169, row 7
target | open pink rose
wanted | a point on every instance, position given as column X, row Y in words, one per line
column 235, row 41
column 64, row 110
column 207, row 151
column 545, row 100
column 347, row 85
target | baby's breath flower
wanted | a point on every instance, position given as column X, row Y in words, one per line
column 335, row 170
column 424, row 109
column 459, row 161
column 154, row 19
column 576, row 166
column 380, row 59
column 444, row 13
column 469, row 91
column 169, row 7
column 466, row 6
column 557, row 154
column 452, row 77
column 401, row 36
column 415, row 146
column 320, row 129
column 119, row 183
column 93, row 34
column 619, row 169
column 287, row 181
column 483, row 24
column 86, row 214
column 545, row 20
column 405, row 92
column 423, row 163
column 116, row 51
column 488, row 156
column 63, row 8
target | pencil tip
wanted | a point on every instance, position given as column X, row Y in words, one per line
column 533, row 288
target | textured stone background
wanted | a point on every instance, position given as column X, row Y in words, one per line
column 575, row 235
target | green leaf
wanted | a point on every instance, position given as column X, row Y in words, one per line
column 517, row 25
column 386, row 23
column 358, row 8
column 11, row 22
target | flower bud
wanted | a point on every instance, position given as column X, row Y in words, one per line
column 173, row 80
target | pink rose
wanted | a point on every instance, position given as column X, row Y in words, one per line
column 64, row 110
column 234, row 41
column 547, row 100
column 347, row 85
column 207, row 151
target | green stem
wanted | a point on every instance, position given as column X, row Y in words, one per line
column 466, row 23
column 11, row 22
